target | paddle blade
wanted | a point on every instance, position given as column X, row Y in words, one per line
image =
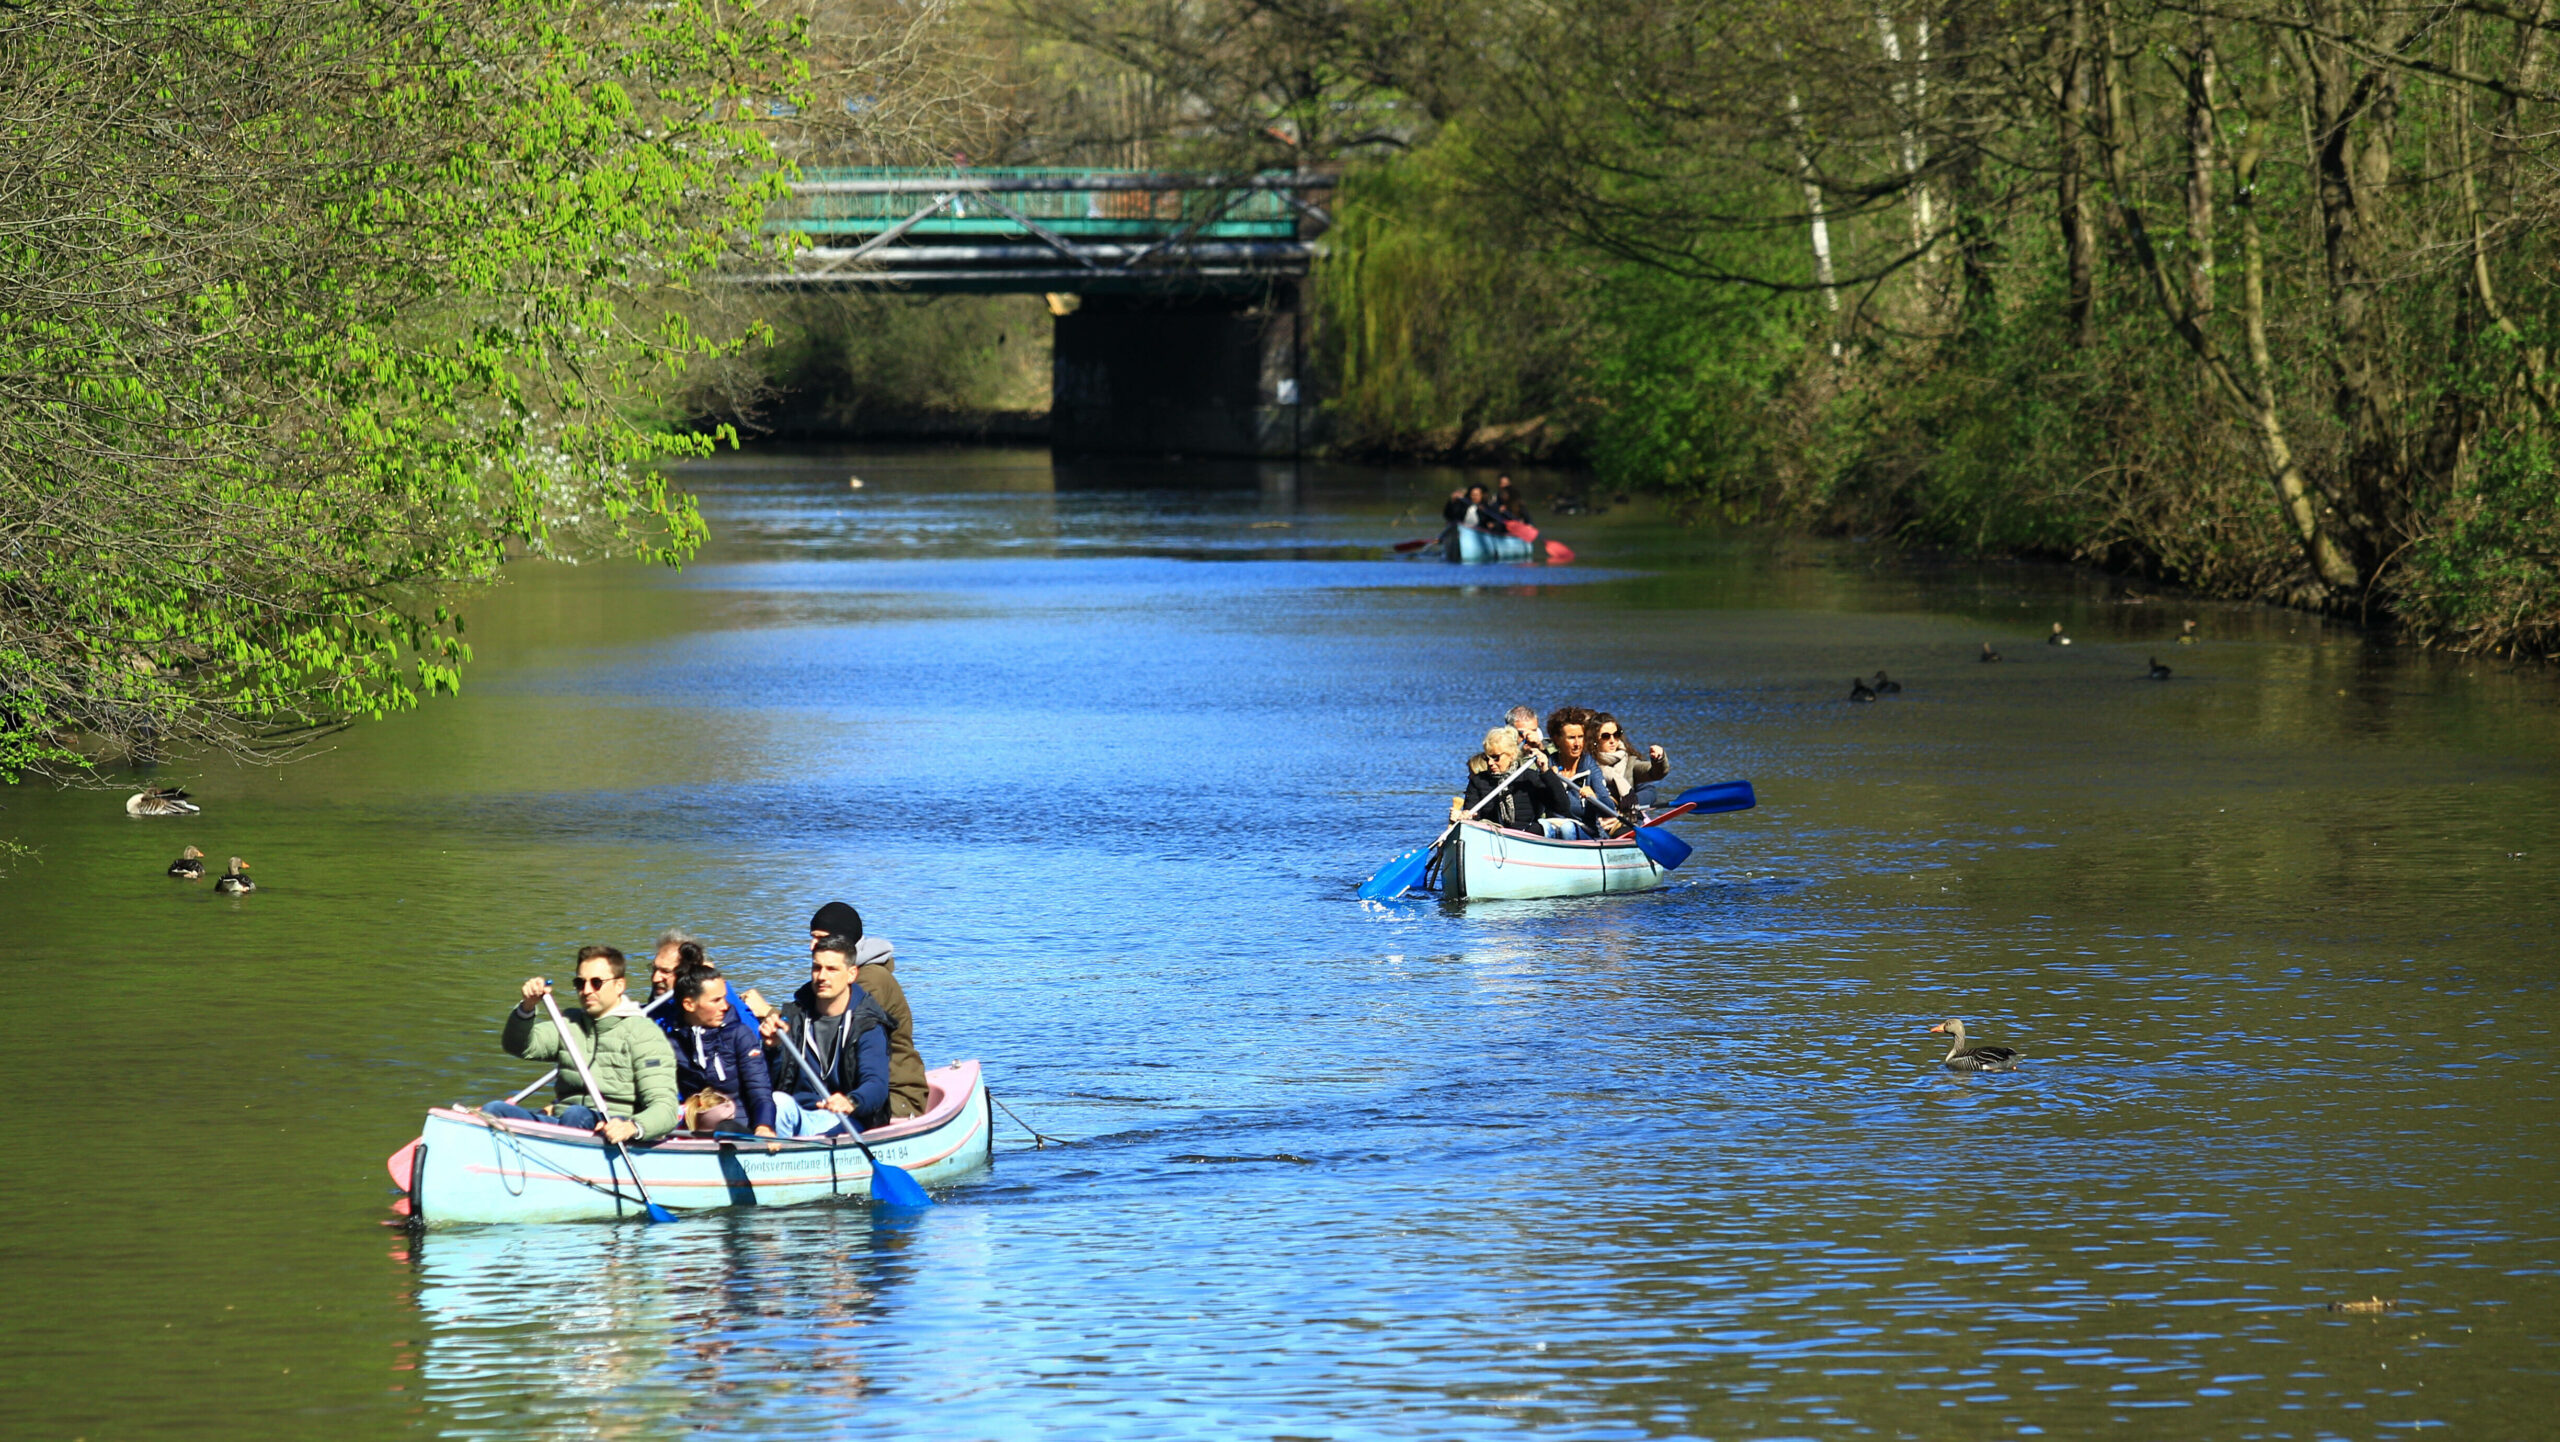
column 1559, row 554
column 1398, row 876
column 891, row 1186
column 1403, row 547
column 1723, row 796
column 1661, row 847
column 656, row 1213
column 1523, row 530
column 403, row 1165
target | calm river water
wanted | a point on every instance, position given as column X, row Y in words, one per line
column 1104, row 752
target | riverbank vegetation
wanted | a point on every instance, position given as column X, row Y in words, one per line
column 2251, row 296
column 313, row 311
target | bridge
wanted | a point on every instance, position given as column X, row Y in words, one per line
column 1186, row 331
column 1083, row 232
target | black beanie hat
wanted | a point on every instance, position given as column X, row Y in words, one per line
column 838, row 919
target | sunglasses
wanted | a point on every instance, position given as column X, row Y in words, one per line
column 592, row 983
column 1608, row 735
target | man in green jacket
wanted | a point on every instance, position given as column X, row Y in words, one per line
column 634, row 1065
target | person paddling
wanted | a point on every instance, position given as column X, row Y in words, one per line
column 633, row 1065
column 1594, row 811
column 1526, row 801
column 844, row 1036
column 1616, row 759
column 720, row 1068
column 875, row 964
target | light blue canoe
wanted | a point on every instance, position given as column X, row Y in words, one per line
column 1474, row 547
column 469, row 1168
column 1484, row 862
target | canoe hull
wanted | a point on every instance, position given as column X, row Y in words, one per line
column 473, row 1170
column 1486, row 863
column 1474, row 547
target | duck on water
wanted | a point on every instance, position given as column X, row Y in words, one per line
column 1964, row 1058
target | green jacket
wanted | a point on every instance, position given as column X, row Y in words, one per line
column 632, row 1059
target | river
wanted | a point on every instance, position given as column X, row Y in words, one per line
column 1103, row 751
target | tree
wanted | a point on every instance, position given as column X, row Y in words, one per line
column 312, row 309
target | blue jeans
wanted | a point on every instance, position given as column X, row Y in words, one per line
column 790, row 1119
column 583, row 1118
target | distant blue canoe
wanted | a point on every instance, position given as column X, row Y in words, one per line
column 1473, row 547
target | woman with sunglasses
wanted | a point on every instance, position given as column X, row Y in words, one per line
column 1615, row 757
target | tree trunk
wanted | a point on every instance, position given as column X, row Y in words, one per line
column 2201, row 175
column 1822, row 271
column 2079, row 240
column 2352, row 131
column 2335, row 570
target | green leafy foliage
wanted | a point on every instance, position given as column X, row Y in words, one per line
column 310, row 311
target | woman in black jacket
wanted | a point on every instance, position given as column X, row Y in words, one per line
column 1519, row 806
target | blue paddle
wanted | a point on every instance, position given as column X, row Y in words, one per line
column 595, row 1094
column 1661, row 847
column 1406, row 872
column 1723, row 796
column 890, row 1185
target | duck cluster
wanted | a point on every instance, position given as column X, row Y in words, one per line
column 170, row 801
column 233, row 882
column 1862, row 690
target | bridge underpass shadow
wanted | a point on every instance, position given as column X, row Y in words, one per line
column 1191, row 376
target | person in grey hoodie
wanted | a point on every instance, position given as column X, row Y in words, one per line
column 875, row 967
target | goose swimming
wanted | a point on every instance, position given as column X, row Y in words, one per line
column 1859, row 690
column 189, row 866
column 1886, row 685
column 159, row 801
column 1960, row 1057
column 233, row 882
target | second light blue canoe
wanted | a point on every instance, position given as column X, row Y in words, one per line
column 1469, row 545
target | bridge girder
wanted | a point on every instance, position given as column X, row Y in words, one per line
column 1122, row 233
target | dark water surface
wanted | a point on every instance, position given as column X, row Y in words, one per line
column 1104, row 752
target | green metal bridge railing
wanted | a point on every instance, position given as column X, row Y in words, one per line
column 1077, row 203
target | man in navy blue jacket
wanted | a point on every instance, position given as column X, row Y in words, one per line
column 716, row 1050
column 844, row 1037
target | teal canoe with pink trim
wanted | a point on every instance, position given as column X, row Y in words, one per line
column 468, row 1169
column 1484, row 862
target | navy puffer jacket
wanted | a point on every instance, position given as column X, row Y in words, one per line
column 728, row 1058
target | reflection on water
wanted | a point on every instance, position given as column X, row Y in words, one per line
column 1104, row 758
column 624, row 1331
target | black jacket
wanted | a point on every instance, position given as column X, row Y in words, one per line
column 850, row 1050
column 1518, row 808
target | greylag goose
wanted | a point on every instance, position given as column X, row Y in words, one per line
column 189, row 866
column 159, row 801
column 234, row 882
column 2055, row 636
column 1886, row 685
column 1978, row 1058
column 1988, row 654
column 2158, row 671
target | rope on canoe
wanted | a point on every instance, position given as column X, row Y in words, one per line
column 1037, row 1139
